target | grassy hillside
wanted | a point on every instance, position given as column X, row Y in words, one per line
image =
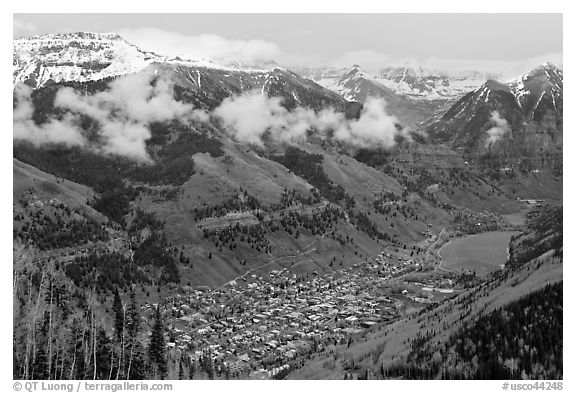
column 389, row 350
column 46, row 186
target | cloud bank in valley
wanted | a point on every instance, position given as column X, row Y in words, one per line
column 250, row 117
column 123, row 113
column 374, row 128
column 498, row 131
column 125, row 110
column 253, row 117
column 54, row 131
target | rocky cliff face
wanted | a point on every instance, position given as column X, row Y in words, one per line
column 75, row 56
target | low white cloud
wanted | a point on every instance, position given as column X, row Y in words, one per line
column 374, row 128
column 125, row 110
column 253, row 118
column 204, row 46
column 133, row 97
column 498, row 131
column 123, row 113
column 61, row 131
column 126, row 139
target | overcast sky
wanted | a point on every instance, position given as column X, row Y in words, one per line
column 502, row 43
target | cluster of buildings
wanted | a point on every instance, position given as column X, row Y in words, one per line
column 260, row 325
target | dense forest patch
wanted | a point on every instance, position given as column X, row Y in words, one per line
column 522, row 340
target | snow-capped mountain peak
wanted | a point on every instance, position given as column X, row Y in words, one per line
column 422, row 84
column 355, row 84
column 85, row 56
column 77, row 56
column 539, row 88
column 527, row 105
column 356, row 72
column 257, row 64
column 547, row 70
column 404, row 73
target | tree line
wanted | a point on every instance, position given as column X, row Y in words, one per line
column 61, row 332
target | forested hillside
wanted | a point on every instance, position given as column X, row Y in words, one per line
column 177, row 218
column 512, row 342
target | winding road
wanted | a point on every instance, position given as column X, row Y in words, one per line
column 438, row 238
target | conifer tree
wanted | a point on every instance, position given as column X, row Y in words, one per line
column 132, row 327
column 118, row 315
column 157, row 347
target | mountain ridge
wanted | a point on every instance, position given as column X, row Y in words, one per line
column 525, row 113
column 84, row 56
column 267, row 252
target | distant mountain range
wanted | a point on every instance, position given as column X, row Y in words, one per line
column 416, row 83
column 357, row 85
column 421, row 84
column 82, row 57
column 455, row 110
column 247, row 196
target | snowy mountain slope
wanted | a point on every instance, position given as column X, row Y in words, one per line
column 415, row 83
column 418, row 83
column 323, row 75
column 207, row 87
column 539, row 90
column 358, row 85
column 85, row 57
column 75, row 56
column 520, row 118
